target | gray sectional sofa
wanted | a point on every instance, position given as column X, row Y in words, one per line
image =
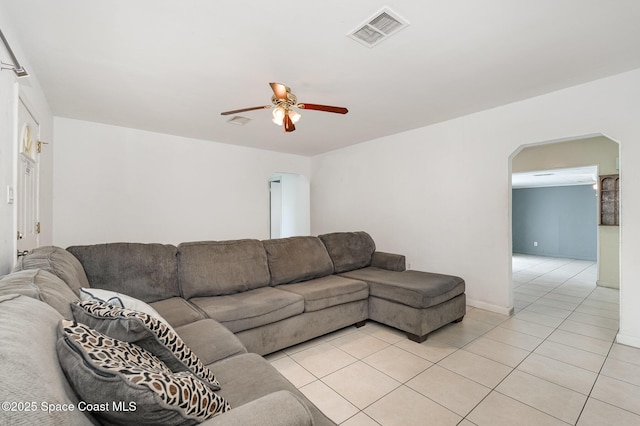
column 230, row 301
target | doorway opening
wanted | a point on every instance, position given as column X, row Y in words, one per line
column 289, row 205
column 28, row 181
column 560, row 221
column 555, row 213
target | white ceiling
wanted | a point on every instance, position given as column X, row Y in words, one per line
column 557, row 177
column 172, row 66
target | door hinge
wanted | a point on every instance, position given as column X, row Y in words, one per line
column 37, row 227
column 39, row 146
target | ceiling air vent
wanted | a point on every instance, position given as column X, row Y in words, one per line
column 378, row 28
column 239, row 120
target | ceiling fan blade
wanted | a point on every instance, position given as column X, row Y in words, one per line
column 327, row 108
column 280, row 90
column 235, row 111
column 287, row 123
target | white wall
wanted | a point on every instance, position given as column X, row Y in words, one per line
column 29, row 89
column 441, row 194
column 7, row 172
column 120, row 184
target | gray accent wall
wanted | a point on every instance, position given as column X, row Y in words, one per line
column 562, row 220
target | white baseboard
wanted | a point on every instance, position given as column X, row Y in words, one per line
column 489, row 307
column 601, row 283
column 628, row 340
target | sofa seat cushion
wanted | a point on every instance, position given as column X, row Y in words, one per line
column 296, row 259
column 251, row 309
column 42, row 285
column 30, row 367
column 210, row 340
column 325, row 292
column 291, row 411
column 214, row 268
column 177, row 311
column 417, row 289
column 148, row 272
column 245, row 378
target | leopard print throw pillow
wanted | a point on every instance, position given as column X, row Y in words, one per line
column 146, row 331
column 109, row 373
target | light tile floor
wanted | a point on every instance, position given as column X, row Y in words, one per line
column 554, row 362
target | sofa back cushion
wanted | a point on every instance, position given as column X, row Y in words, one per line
column 349, row 250
column 42, row 285
column 59, row 262
column 148, row 272
column 214, row 268
column 31, row 373
column 297, row 259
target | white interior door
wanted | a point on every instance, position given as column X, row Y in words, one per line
column 28, row 180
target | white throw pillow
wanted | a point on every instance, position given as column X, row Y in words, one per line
column 121, row 300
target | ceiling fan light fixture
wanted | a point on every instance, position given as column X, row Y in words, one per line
column 278, row 115
column 294, row 116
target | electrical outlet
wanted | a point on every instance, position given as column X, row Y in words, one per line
column 535, row 244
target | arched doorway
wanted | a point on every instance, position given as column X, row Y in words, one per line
column 553, row 156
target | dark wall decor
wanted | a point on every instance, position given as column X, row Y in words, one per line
column 609, row 200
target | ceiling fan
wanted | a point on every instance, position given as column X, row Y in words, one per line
column 282, row 103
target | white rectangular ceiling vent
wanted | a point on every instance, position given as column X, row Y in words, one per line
column 379, row 27
column 238, row 120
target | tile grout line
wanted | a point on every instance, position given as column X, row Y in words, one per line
column 594, row 383
column 494, row 389
column 574, row 310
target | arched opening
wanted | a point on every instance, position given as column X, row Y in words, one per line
column 557, row 157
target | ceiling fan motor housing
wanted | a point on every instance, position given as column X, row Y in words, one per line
column 291, row 100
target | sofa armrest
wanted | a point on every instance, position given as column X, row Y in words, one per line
column 389, row 261
column 280, row 408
